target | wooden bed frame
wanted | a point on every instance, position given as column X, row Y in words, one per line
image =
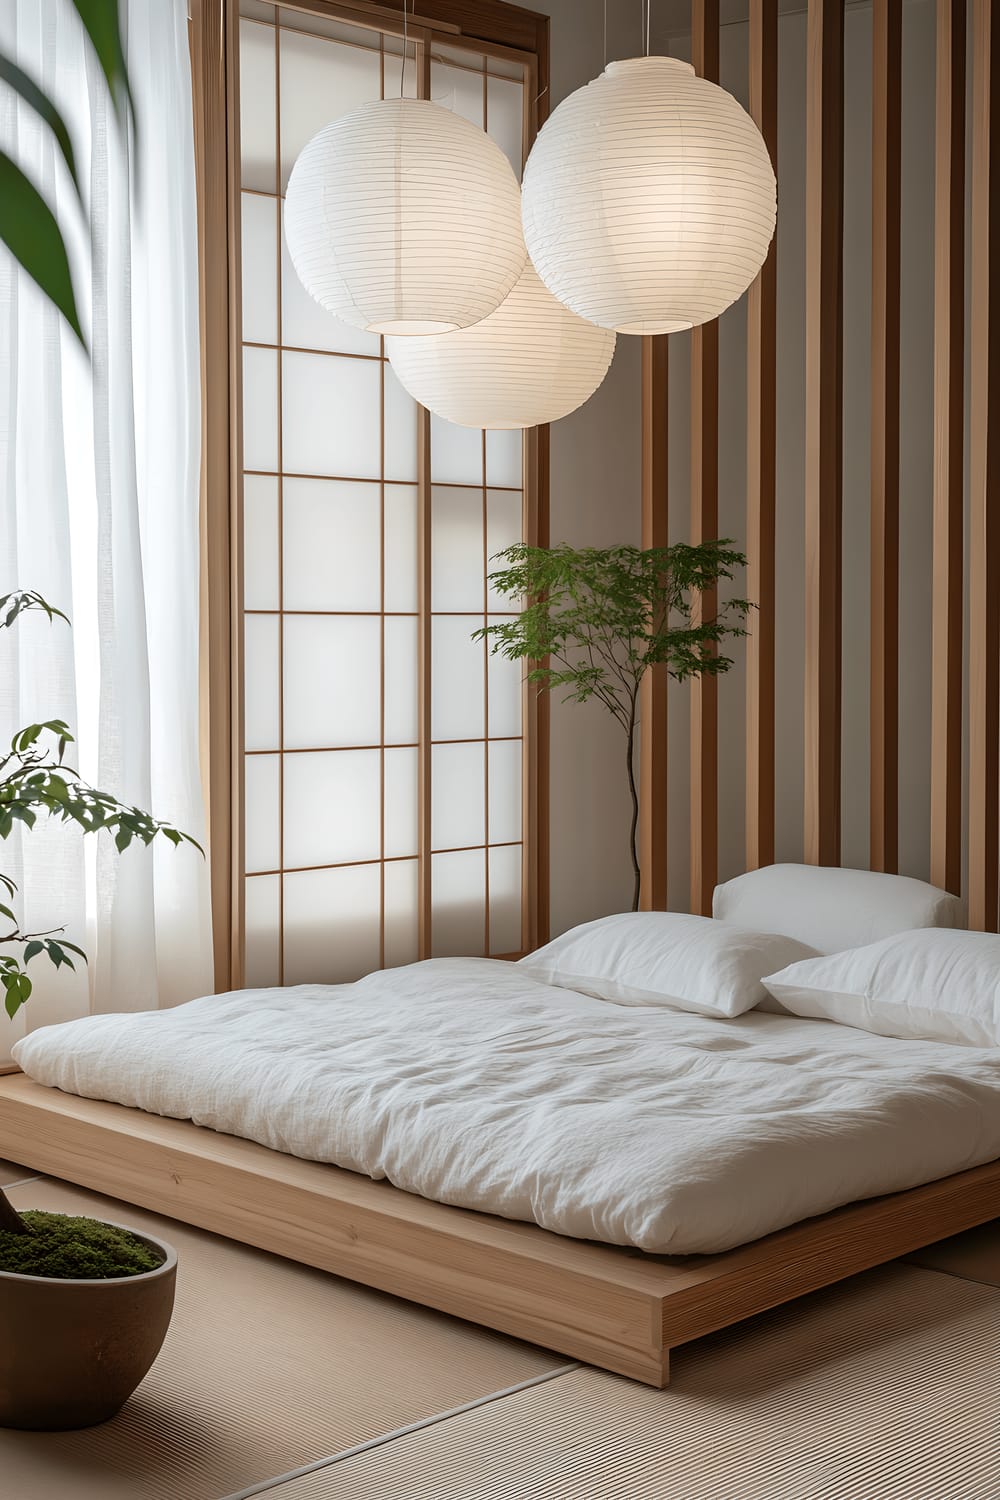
column 616, row 1308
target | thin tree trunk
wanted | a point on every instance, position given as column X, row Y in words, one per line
column 10, row 1219
column 634, row 794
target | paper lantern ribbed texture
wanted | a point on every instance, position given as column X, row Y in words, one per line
column 403, row 217
column 529, row 362
column 649, row 198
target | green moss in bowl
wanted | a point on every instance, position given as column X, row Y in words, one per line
column 66, row 1248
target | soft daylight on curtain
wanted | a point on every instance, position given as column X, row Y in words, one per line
column 100, row 476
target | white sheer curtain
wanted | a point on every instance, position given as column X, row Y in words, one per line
column 100, row 511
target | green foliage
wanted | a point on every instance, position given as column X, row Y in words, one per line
column 16, row 602
column 27, row 224
column 594, row 621
column 35, row 780
column 64, row 1247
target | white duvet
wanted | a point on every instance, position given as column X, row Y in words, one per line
column 466, row 1081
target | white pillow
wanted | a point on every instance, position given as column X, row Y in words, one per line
column 830, row 908
column 935, row 984
column 665, row 958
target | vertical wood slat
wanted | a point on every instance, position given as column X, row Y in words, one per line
column 653, row 695
column 704, row 525
column 535, row 706
column 280, row 414
column 887, row 73
column 216, row 135
column 947, row 596
column 824, row 441
column 761, row 467
column 535, row 718
column 424, row 624
column 984, row 475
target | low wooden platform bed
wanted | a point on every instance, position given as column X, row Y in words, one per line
column 619, row 1309
column 653, row 1128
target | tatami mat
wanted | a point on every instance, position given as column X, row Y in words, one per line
column 11, row 1172
column 975, row 1254
column 268, row 1366
column 884, row 1388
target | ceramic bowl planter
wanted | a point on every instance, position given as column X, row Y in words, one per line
column 72, row 1352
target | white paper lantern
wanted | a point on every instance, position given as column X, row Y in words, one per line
column 403, row 217
column 529, row 362
column 649, row 198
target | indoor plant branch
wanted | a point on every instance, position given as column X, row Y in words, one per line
column 595, row 621
column 36, row 781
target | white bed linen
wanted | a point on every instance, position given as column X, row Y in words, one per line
column 468, row 1082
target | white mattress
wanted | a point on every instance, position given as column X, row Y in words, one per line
column 466, row 1081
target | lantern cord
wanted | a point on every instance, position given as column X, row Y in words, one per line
column 649, row 12
column 605, row 33
column 402, row 66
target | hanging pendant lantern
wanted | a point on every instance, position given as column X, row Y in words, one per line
column 402, row 217
column 531, row 361
column 649, row 198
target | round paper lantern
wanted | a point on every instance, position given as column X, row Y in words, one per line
column 531, row 361
column 402, row 217
column 649, row 198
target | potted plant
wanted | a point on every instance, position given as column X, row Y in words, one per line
column 84, row 1305
column 598, row 619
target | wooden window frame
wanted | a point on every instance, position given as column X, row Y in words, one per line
column 493, row 29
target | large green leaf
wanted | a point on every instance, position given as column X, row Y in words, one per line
column 40, row 102
column 100, row 19
column 29, row 229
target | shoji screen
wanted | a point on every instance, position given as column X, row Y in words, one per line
column 382, row 749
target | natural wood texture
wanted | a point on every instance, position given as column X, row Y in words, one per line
column 501, row 29
column 536, row 712
column 824, row 438
column 612, row 1307
column 536, row 707
column 424, row 626
column 487, row 21
column 762, row 303
column 887, row 73
column 704, row 525
column 376, row 17
column 947, row 590
column 214, row 78
column 984, row 454
column 653, row 696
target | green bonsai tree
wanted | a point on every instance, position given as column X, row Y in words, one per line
column 37, row 781
column 595, row 621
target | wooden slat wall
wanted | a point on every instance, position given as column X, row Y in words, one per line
column 704, row 524
column 962, row 732
column 653, row 700
column 824, row 426
column 761, row 434
column 887, row 69
column 984, row 492
column 947, row 596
